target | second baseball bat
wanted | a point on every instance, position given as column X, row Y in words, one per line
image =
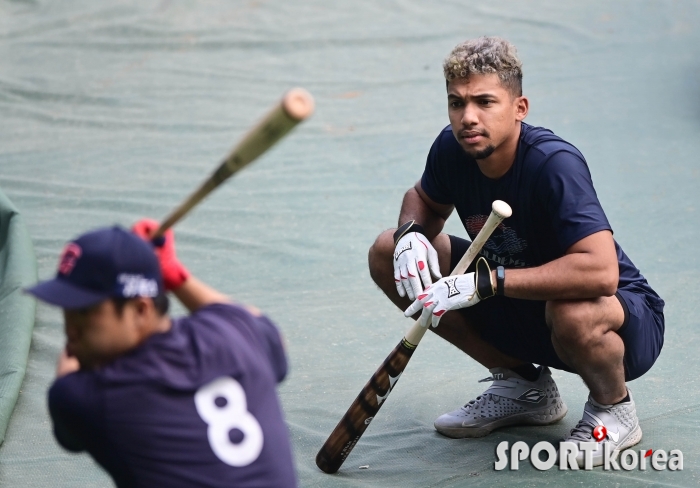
column 296, row 105
column 358, row 417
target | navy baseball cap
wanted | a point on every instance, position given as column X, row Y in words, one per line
column 104, row 263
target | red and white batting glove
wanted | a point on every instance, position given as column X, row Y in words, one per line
column 174, row 273
column 415, row 260
column 452, row 293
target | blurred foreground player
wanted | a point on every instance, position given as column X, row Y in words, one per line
column 156, row 401
column 552, row 286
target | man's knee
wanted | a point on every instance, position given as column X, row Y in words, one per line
column 573, row 322
column 380, row 256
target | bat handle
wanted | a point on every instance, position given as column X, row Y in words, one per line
column 183, row 209
column 415, row 334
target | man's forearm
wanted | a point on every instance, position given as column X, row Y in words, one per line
column 195, row 294
column 571, row 277
column 415, row 208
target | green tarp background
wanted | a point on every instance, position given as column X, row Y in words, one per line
column 17, row 270
column 118, row 109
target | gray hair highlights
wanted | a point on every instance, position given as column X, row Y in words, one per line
column 486, row 55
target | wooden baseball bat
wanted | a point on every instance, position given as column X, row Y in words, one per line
column 296, row 105
column 358, row 417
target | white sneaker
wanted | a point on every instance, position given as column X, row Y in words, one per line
column 510, row 400
column 620, row 421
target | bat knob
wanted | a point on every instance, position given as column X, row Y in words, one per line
column 298, row 103
column 158, row 241
column 502, row 209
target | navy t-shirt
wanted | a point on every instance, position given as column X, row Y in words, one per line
column 550, row 190
column 195, row 406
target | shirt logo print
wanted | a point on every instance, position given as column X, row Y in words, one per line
column 505, row 242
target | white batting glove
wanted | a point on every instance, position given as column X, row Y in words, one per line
column 452, row 293
column 415, row 259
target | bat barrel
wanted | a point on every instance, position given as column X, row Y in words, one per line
column 358, row 417
column 296, row 105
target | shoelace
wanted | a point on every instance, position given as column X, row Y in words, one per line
column 583, row 431
column 481, row 399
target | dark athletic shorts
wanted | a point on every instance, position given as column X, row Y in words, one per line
column 518, row 328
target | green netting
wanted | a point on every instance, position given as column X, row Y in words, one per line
column 17, row 270
column 117, row 109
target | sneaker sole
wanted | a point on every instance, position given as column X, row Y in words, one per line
column 547, row 416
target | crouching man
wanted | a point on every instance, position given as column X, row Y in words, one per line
column 556, row 289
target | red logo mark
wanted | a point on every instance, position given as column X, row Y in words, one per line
column 69, row 257
column 648, row 453
column 421, row 265
column 600, row 433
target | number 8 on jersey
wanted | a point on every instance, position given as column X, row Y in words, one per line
column 223, row 406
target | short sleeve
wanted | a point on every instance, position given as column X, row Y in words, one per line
column 436, row 174
column 73, row 405
column 259, row 328
column 566, row 191
column 274, row 347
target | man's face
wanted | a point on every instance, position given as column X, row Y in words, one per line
column 483, row 113
column 98, row 334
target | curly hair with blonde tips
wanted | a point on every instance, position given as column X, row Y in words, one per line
column 486, row 55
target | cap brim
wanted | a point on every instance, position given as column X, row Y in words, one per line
column 65, row 295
